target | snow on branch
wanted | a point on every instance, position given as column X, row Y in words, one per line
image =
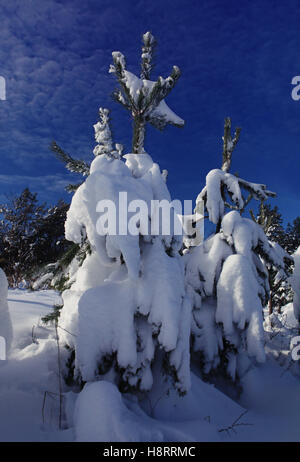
column 258, row 191
column 218, row 183
column 103, row 137
column 147, row 55
column 223, row 189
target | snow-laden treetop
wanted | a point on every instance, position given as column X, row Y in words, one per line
column 225, row 190
column 141, row 96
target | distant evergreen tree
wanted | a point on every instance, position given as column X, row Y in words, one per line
column 292, row 242
column 271, row 221
column 49, row 243
column 32, row 235
column 19, row 223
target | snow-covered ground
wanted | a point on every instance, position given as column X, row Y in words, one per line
column 29, row 401
column 29, row 372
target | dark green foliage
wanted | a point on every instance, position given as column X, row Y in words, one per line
column 270, row 219
column 73, row 187
column 69, row 255
column 171, row 372
column 61, row 283
column 60, row 280
column 292, row 239
column 32, row 235
column 52, row 317
column 50, row 242
column 73, row 165
column 70, row 367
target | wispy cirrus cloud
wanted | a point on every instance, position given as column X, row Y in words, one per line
column 237, row 59
column 49, row 186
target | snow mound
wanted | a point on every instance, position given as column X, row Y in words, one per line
column 102, row 415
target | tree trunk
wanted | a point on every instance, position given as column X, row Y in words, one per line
column 138, row 135
column 270, row 304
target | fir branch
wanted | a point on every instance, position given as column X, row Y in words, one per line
column 119, row 98
column 119, row 68
column 53, row 316
column 161, row 89
column 246, row 202
column 73, row 187
column 69, row 255
column 144, row 101
column 258, row 191
column 73, row 165
column 235, row 424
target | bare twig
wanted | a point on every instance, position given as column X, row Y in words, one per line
column 51, row 395
column 235, row 424
column 153, row 406
column 74, row 335
column 33, row 337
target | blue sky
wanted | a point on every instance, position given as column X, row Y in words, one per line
column 237, row 59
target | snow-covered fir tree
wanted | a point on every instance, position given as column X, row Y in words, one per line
column 271, row 221
column 49, row 246
column 292, row 242
column 126, row 317
column 32, row 235
column 19, row 219
column 227, row 275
